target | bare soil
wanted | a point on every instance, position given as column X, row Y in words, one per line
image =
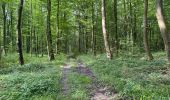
column 97, row 91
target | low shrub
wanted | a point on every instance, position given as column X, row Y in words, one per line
column 133, row 76
column 26, row 82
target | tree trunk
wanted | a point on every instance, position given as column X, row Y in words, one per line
column 48, row 33
column 28, row 39
column 145, row 32
column 31, row 30
column 34, row 40
column 12, row 30
column 93, row 44
column 134, row 28
column 116, row 27
column 162, row 26
column 105, row 35
column 4, row 26
column 58, row 28
column 19, row 34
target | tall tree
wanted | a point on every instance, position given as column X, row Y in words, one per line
column 48, row 32
column 93, row 40
column 31, row 27
column 4, row 26
column 145, row 31
column 162, row 26
column 58, row 27
column 116, row 26
column 19, row 34
column 105, row 35
column 12, row 30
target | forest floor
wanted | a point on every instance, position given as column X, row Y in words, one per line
column 127, row 77
column 97, row 91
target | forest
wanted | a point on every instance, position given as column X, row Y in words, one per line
column 84, row 50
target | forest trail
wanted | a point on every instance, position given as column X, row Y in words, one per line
column 96, row 90
column 66, row 69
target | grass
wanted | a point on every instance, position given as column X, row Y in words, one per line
column 129, row 75
column 133, row 76
column 38, row 79
column 28, row 81
column 78, row 87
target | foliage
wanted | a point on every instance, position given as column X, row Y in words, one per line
column 76, row 29
column 78, row 90
column 31, row 81
column 133, row 76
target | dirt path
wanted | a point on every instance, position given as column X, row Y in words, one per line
column 97, row 91
column 66, row 69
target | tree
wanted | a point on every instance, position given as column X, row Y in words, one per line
column 58, row 27
column 19, row 34
column 93, row 40
column 48, row 32
column 145, row 32
column 4, row 26
column 116, row 26
column 162, row 26
column 77, row 26
column 105, row 35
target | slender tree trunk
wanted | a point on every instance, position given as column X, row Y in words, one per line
column 34, row 40
column 37, row 45
column 125, row 26
column 79, row 32
column 105, row 35
column 0, row 44
column 162, row 26
column 86, row 37
column 28, row 40
column 145, row 32
column 19, row 34
column 58, row 28
column 42, row 35
column 93, row 44
column 134, row 29
column 130, row 24
column 4, row 26
column 42, row 45
column 12, row 30
column 31, row 30
column 116, row 26
column 48, row 33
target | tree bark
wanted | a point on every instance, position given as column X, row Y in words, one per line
column 105, row 35
column 19, row 34
column 162, row 26
column 116, row 27
column 12, row 30
column 93, row 42
column 145, row 32
column 48, row 33
column 31, row 29
column 4, row 26
column 58, row 28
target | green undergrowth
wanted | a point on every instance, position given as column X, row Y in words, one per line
column 12, row 59
column 78, row 85
column 29, row 81
column 38, row 79
column 133, row 76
